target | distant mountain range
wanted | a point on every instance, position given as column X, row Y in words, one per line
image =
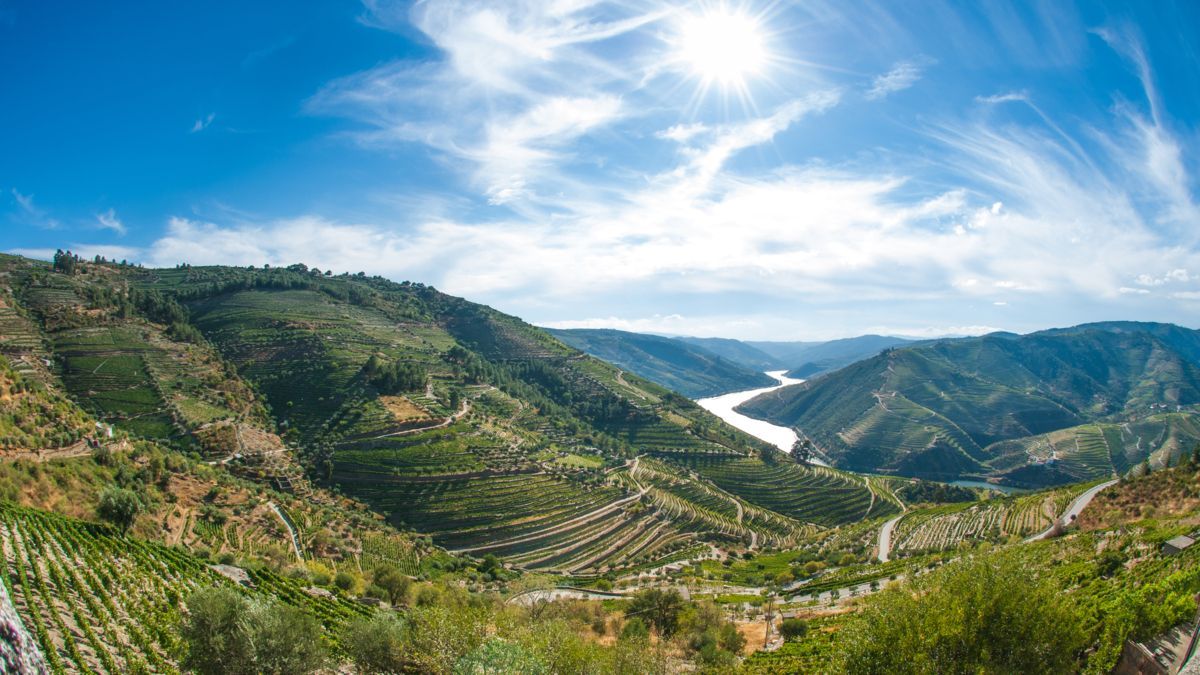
column 689, row 369
column 1044, row 408
column 700, row 367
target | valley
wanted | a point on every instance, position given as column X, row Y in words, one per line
column 310, row 441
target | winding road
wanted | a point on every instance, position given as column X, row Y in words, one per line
column 1077, row 506
column 885, row 537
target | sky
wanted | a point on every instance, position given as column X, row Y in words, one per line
column 756, row 170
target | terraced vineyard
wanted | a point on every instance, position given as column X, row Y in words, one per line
column 1034, row 410
column 1093, row 451
column 693, row 504
column 98, row 602
column 810, row 494
column 997, row 519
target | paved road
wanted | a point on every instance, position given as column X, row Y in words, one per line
column 1077, row 506
column 551, row 594
column 885, row 537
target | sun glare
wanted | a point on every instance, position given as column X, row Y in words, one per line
column 722, row 47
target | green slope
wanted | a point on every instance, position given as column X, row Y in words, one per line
column 686, row 368
column 953, row 408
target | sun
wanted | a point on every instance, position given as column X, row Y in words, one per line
column 722, row 47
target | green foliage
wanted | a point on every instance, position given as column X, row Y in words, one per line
column 229, row 634
column 376, row 644
column 793, row 629
column 395, row 377
column 393, row 582
column 986, row 614
column 658, row 607
column 498, row 657
column 119, row 506
column 688, row 369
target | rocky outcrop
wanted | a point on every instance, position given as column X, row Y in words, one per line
column 18, row 651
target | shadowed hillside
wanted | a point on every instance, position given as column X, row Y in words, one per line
column 686, row 368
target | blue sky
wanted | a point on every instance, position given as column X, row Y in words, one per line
column 768, row 170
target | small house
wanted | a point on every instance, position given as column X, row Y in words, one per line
column 1177, row 545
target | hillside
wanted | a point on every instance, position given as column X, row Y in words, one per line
column 1041, row 409
column 825, row 357
column 324, row 445
column 686, row 368
column 448, row 418
column 799, row 359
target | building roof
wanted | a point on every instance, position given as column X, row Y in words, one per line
column 1181, row 542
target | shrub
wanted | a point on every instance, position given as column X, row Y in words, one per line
column 119, row 506
column 229, row 634
column 976, row 615
column 376, row 645
column 793, row 629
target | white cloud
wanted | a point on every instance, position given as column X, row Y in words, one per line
column 1010, row 97
column 902, row 76
column 109, row 221
column 1125, row 290
column 32, row 214
column 682, row 133
column 203, row 123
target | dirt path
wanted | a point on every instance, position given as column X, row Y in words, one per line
column 291, row 530
column 466, row 408
column 79, row 449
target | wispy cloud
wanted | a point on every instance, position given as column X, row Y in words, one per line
column 1009, row 97
column 203, row 123
column 902, row 76
column 32, row 214
column 109, row 221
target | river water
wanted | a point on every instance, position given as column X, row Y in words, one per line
column 723, row 406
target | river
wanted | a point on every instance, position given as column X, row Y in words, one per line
column 723, row 406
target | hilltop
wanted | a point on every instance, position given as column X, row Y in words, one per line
column 1040, row 409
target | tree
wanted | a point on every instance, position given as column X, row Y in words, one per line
column 730, row 639
column 217, row 642
column 793, row 629
column 227, row 633
column 976, row 615
column 394, row 582
column 802, row 451
column 119, row 506
column 376, row 644
column 658, row 607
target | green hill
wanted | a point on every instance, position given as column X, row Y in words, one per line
column 991, row 406
column 686, row 368
column 444, row 416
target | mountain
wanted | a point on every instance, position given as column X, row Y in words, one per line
column 1038, row 409
column 277, row 458
column 817, row 358
column 738, row 352
column 686, row 368
column 799, row 359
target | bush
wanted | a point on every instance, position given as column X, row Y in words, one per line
column 793, row 629
column 981, row 615
column 228, row 634
column 119, row 506
column 376, row 645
